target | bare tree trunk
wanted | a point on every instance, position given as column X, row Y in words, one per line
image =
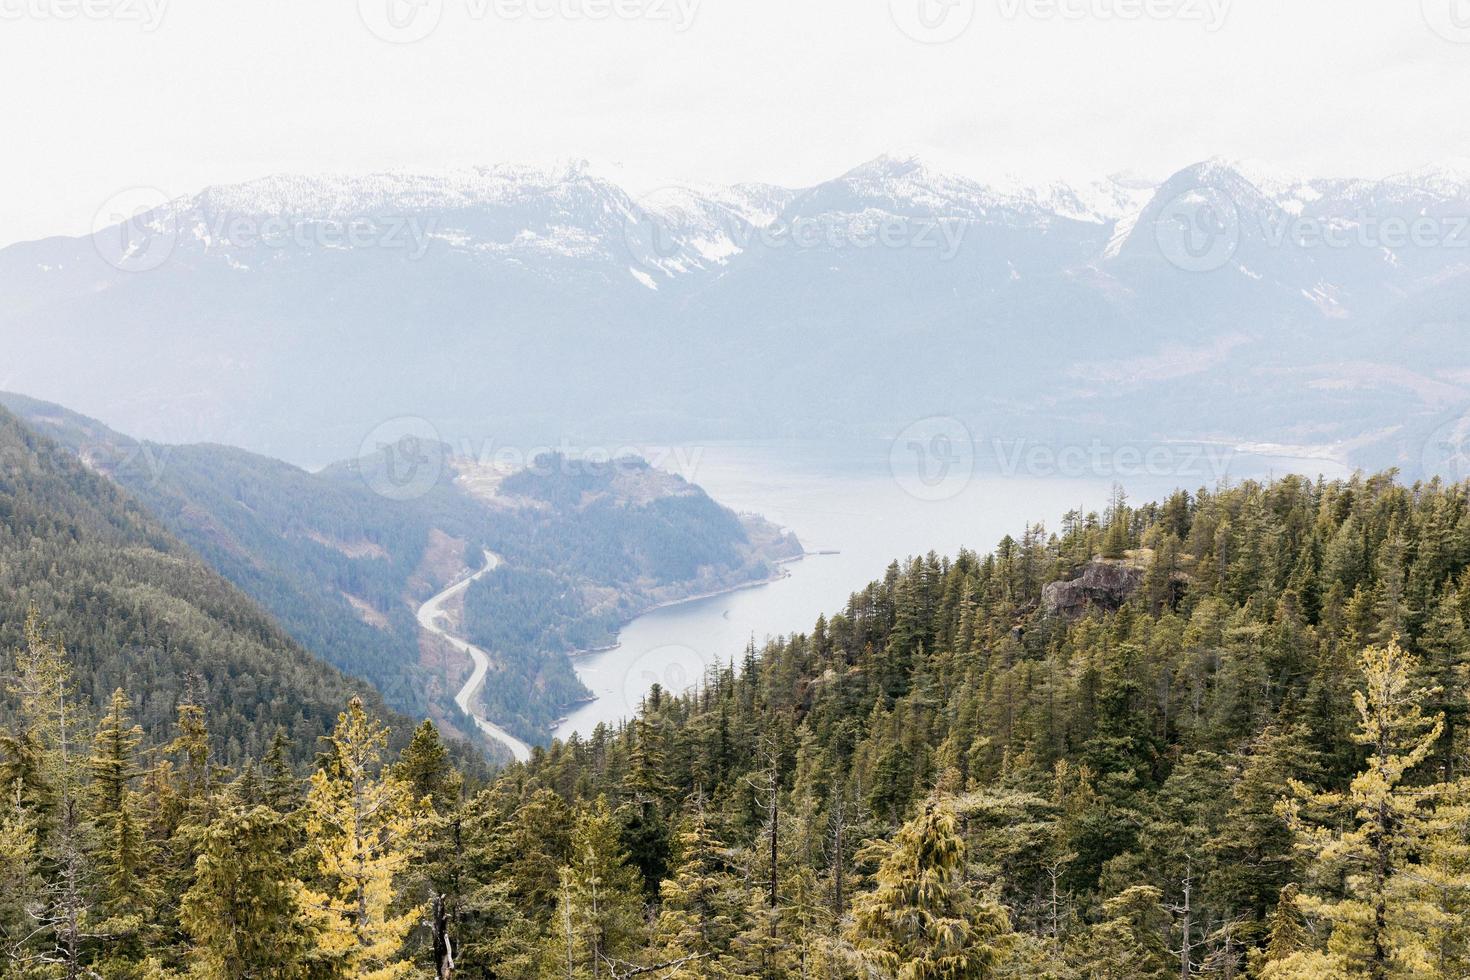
column 839, row 856
column 443, row 945
column 1186, row 928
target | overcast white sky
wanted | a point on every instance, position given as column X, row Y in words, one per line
column 789, row 91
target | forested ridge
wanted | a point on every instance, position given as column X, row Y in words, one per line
column 589, row 546
column 138, row 610
column 343, row 567
column 1246, row 760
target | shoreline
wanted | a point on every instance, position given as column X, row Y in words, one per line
column 780, row 575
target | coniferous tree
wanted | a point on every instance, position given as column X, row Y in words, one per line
column 1128, row 944
column 362, row 826
column 121, row 854
column 921, row 922
column 703, row 903
column 424, row 767
column 241, row 911
column 51, row 711
column 599, row 915
column 1366, row 837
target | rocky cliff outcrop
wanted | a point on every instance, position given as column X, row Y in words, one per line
column 1103, row 584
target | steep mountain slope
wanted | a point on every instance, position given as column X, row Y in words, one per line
column 331, row 559
column 1252, row 297
column 344, row 565
column 136, row 609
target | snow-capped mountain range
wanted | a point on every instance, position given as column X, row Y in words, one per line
column 290, row 314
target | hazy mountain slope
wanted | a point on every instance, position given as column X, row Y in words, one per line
column 587, row 547
column 344, row 567
column 331, row 559
column 137, row 609
column 521, row 304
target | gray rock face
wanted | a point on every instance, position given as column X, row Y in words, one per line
column 1102, row 584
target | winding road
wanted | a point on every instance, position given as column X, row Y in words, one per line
column 431, row 614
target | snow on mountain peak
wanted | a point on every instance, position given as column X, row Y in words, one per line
column 1448, row 178
column 349, row 195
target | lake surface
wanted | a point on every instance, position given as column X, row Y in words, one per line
column 871, row 504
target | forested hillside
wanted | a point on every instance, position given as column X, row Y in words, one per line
column 1220, row 735
column 343, row 567
column 1199, row 764
column 587, row 547
column 136, row 609
column 333, row 561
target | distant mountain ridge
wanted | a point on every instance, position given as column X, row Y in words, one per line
column 530, row 303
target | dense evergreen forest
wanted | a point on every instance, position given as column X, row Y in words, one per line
column 138, row 610
column 1222, row 735
column 342, row 567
